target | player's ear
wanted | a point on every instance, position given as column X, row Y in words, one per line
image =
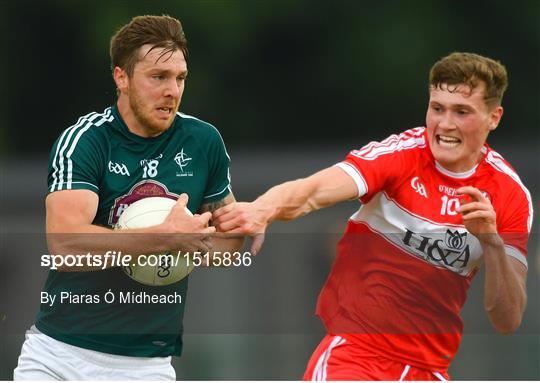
column 120, row 78
column 495, row 117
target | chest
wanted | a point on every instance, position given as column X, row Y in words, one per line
column 435, row 197
column 167, row 168
column 420, row 214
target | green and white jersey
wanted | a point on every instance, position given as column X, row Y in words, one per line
column 100, row 154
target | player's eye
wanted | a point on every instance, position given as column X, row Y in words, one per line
column 158, row 77
column 463, row 112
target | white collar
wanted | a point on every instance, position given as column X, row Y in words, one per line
column 465, row 174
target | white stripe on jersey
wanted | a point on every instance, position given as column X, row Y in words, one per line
column 320, row 370
column 391, row 221
column 86, row 122
column 497, row 161
column 359, row 180
column 106, row 118
column 410, row 139
column 439, row 376
column 394, row 138
column 68, row 132
column 212, row 195
column 404, row 373
column 85, row 183
column 515, row 253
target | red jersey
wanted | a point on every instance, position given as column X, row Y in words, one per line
column 405, row 262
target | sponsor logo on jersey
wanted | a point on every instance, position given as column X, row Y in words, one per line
column 182, row 160
column 118, row 168
column 143, row 189
column 418, row 187
column 451, row 252
column 455, row 240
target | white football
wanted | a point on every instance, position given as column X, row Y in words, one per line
column 161, row 270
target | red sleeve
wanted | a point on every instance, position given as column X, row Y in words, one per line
column 513, row 221
column 378, row 164
column 514, row 207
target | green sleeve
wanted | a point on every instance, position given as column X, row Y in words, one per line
column 219, row 182
column 74, row 161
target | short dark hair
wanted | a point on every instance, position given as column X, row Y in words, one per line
column 159, row 31
column 470, row 69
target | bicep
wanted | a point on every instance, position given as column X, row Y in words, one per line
column 69, row 209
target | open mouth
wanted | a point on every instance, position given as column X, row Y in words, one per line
column 447, row 141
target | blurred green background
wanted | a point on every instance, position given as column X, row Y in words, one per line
column 269, row 71
column 292, row 85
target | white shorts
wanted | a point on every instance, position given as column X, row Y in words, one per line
column 45, row 358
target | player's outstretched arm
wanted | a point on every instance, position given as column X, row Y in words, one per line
column 505, row 295
column 286, row 202
column 222, row 243
column 69, row 228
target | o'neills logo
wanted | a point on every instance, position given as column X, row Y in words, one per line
column 139, row 191
column 452, row 252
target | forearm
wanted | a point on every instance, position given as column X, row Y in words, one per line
column 222, row 243
column 287, row 201
column 97, row 241
column 224, row 247
column 505, row 296
column 294, row 199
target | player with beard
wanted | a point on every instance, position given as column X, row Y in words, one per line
column 437, row 202
column 141, row 146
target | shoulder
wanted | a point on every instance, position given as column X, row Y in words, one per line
column 197, row 126
column 409, row 143
column 85, row 129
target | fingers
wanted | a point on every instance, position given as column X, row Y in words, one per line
column 258, row 240
column 182, row 201
column 204, row 218
column 228, row 217
column 472, row 192
column 226, row 226
column 471, row 206
column 208, row 230
column 479, row 214
column 223, row 210
column 180, row 208
column 222, row 216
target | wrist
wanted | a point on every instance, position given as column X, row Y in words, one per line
column 268, row 212
column 491, row 240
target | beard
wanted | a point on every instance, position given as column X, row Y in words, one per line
column 153, row 127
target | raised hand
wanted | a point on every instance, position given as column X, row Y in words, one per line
column 478, row 214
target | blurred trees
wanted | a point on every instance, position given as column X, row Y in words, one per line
column 268, row 71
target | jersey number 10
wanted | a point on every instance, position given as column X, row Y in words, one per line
column 449, row 205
